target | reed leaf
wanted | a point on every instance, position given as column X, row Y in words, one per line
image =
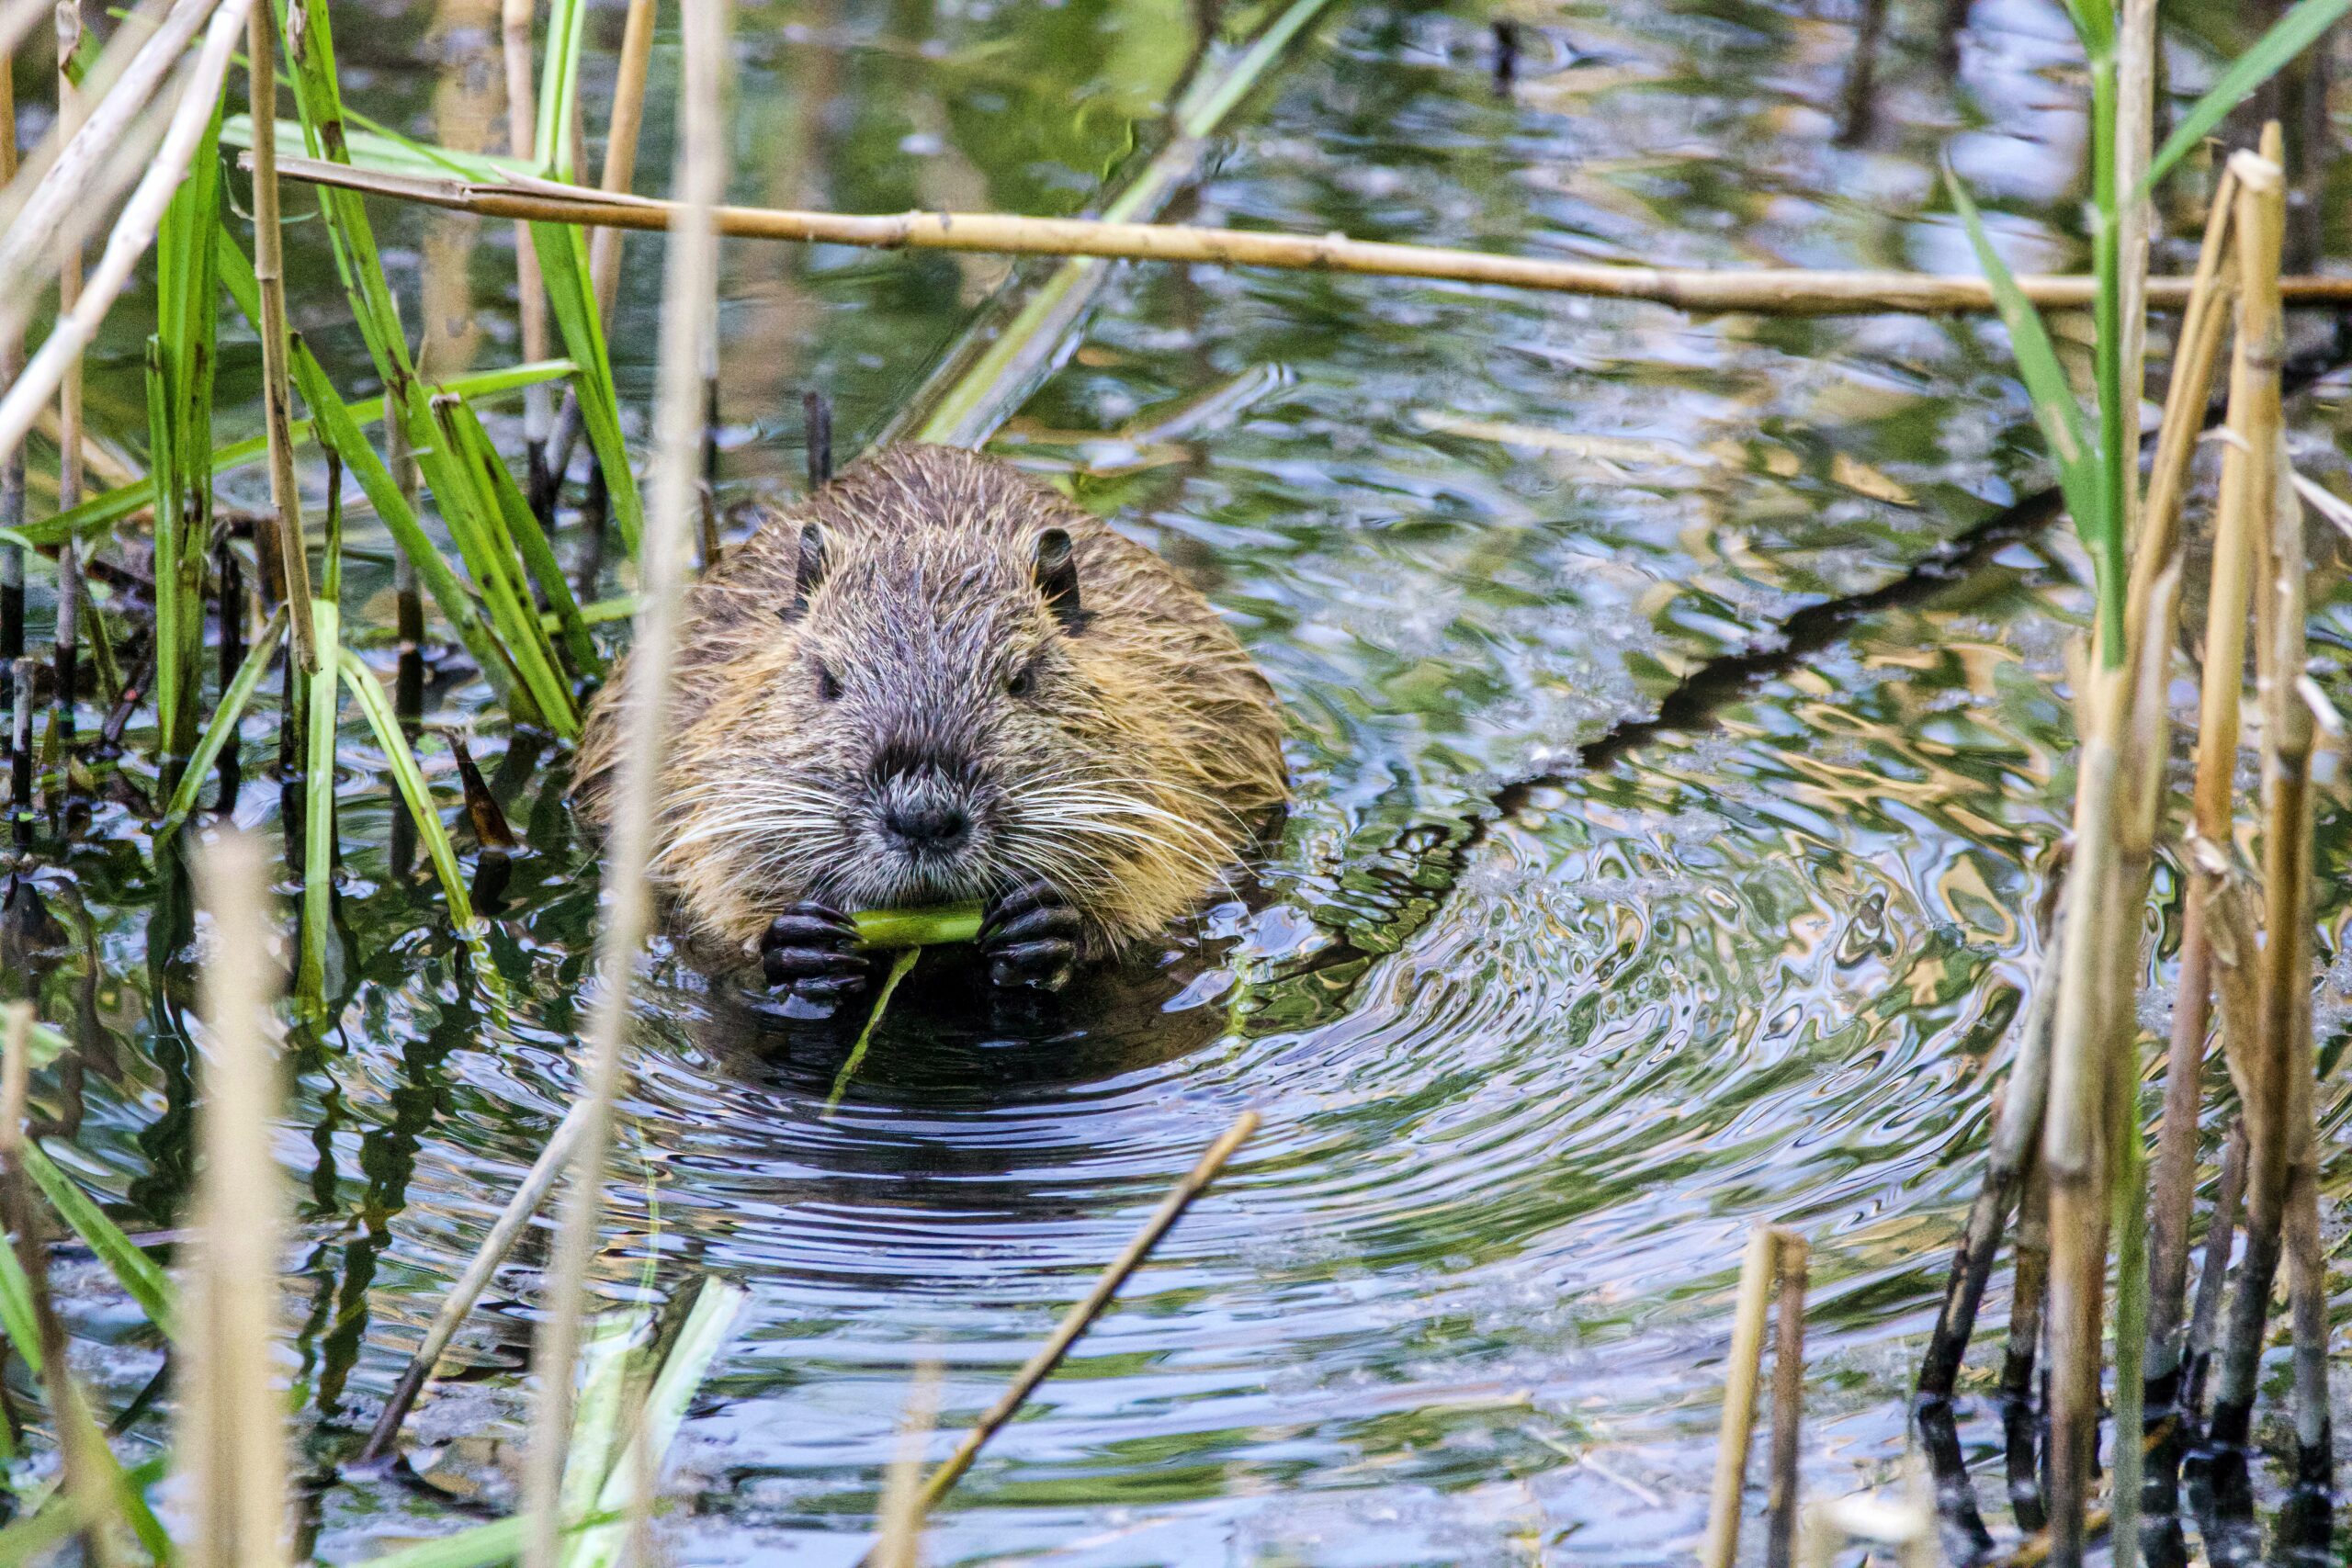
column 2288, row 37
column 900, row 966
column 147, row 1285
column 409, row 778
column 2055, row 408
column 317, row 798
column 102, row 511
column 563, row 250
column 16, row 1318
column 522, row 528
column 222, row 725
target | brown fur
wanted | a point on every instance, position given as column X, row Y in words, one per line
column 1131, row 776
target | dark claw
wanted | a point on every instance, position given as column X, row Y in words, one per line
column 1030, row 938
column 810, row 951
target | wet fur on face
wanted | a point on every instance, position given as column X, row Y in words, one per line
column 925, row 711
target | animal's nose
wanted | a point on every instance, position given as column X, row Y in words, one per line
column 927, row 826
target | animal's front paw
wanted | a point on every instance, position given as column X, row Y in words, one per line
column 1029, row 936
column 811, row 950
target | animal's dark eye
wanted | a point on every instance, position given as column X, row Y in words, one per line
column 828, row 686
column 1022, row 681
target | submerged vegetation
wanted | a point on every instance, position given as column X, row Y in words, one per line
column 202, row 133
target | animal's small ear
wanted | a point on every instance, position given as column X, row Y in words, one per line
column 1057, row 579
column 808, row 572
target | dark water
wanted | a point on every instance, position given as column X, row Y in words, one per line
column 1528, row 1079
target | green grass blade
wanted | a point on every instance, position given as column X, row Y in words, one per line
column 559, row 87
column 141, row 1278
column 523, row 529
column 409, row 778
column 381, row 148
column 564, row 267
column 2056, row 407
column 2288, row 37
column 317, row 798
column 16, row 1312
column 598, row 1411
column 222, row 725
column 163, row 491
column 899, row 965
column 480, row 532
column 708, row 1323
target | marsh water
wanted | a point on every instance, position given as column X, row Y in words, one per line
column 1532, row 1057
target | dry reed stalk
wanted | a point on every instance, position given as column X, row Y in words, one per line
column 1764, row 291
column 1081, row 1314
column 231, row 1436
column 134, row 230
column 2217, row 750
column 2283, row 967
column 2221, row 1240
column 621, row 130
column 530, row 295
column 2017, row 1135
column 1788, row 1401
column 1742, row 1370
column 69, row 388
column 58, row 187
column 269, row 278
column 688, row 337
column 2093, row 1078
column 12, row 364
column 899, row 1540
column 460, row 1301
column 2135, row 114
column 2029, row 1291
column 79, row 1442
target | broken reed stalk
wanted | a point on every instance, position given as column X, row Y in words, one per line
column 2282, row 966
column 459, row 1302
column 2017, row 1133
column 1763, row 291
column 134, row 230
column 688, row 337
column 1081, row 1314
column 2029, row 1288
column 1742, row 1369
column 1788, row 1402
column 69, row 392
column 69, row 173
column 2221, row 1240
column 79, row 1443
column 269, row 278
column 531, row 300
column 2095, row 1078
column 2217, row 751
column 231, row 1432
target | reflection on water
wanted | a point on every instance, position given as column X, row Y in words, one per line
column 1532, row 1061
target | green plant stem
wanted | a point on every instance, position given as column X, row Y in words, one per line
column 318, row 803
column 222, row 725
column 899, row 968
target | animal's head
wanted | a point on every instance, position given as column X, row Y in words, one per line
column 934, row 723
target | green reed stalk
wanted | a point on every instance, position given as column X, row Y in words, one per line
column 979, row 387
column 317, row 798
column 409, row 778
column 222, row 725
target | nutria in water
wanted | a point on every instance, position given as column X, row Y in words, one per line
column 937, row 681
